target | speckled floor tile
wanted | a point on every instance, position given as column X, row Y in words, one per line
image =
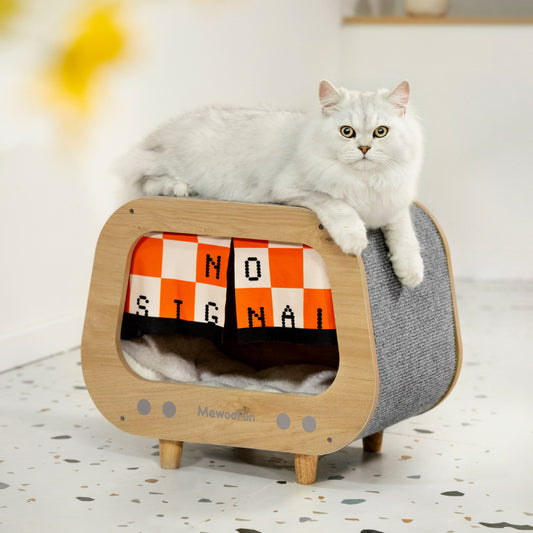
column 465, row 465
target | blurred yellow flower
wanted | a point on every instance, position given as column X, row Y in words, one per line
column 7, row 9
column 100, row 40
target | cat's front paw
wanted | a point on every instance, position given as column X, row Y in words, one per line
column 409, row 268
column 351, row 238
column 353, row 242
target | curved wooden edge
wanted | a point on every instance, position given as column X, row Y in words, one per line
column 458, row 341
column 370, row 326
column 341, row 413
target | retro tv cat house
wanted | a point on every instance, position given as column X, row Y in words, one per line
column 397, row 352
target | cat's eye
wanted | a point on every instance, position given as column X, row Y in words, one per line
column 347, row 131
column 381, row 131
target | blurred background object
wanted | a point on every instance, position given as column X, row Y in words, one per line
column 435, row 8
column 456, row 8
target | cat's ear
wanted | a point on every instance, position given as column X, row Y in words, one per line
column 329, row 96
column 399, row 97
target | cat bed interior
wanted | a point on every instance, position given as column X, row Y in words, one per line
column 176, row 358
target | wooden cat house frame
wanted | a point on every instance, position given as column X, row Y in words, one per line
column 306, row 426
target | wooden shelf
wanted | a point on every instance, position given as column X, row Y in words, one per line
column 437, row 20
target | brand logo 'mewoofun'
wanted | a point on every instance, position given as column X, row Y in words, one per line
column 237, row 416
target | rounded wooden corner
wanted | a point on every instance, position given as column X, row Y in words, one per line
column 310, row 425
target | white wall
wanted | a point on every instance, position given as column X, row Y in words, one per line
column 473, row 88
column 56, row 188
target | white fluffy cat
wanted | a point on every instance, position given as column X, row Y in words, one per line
column 354, row 162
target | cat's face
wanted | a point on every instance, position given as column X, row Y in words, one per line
column 366, row 130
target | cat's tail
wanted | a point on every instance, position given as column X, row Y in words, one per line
column 139, row 164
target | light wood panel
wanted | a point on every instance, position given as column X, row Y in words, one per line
column 217, row 415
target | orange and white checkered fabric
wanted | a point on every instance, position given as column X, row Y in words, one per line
column 179, row 276
column 185, row 279
column 282, row 286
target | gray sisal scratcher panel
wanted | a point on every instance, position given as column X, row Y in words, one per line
column 414, row 329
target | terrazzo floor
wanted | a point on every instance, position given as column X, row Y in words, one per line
column 465, row 465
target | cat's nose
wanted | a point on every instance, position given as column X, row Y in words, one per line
column 364, row 149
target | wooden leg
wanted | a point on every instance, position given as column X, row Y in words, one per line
column 170, row 453
column 372, row 443
column 305, row 466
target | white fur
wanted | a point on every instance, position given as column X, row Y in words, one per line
column 261, row 155
column 178, row 358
